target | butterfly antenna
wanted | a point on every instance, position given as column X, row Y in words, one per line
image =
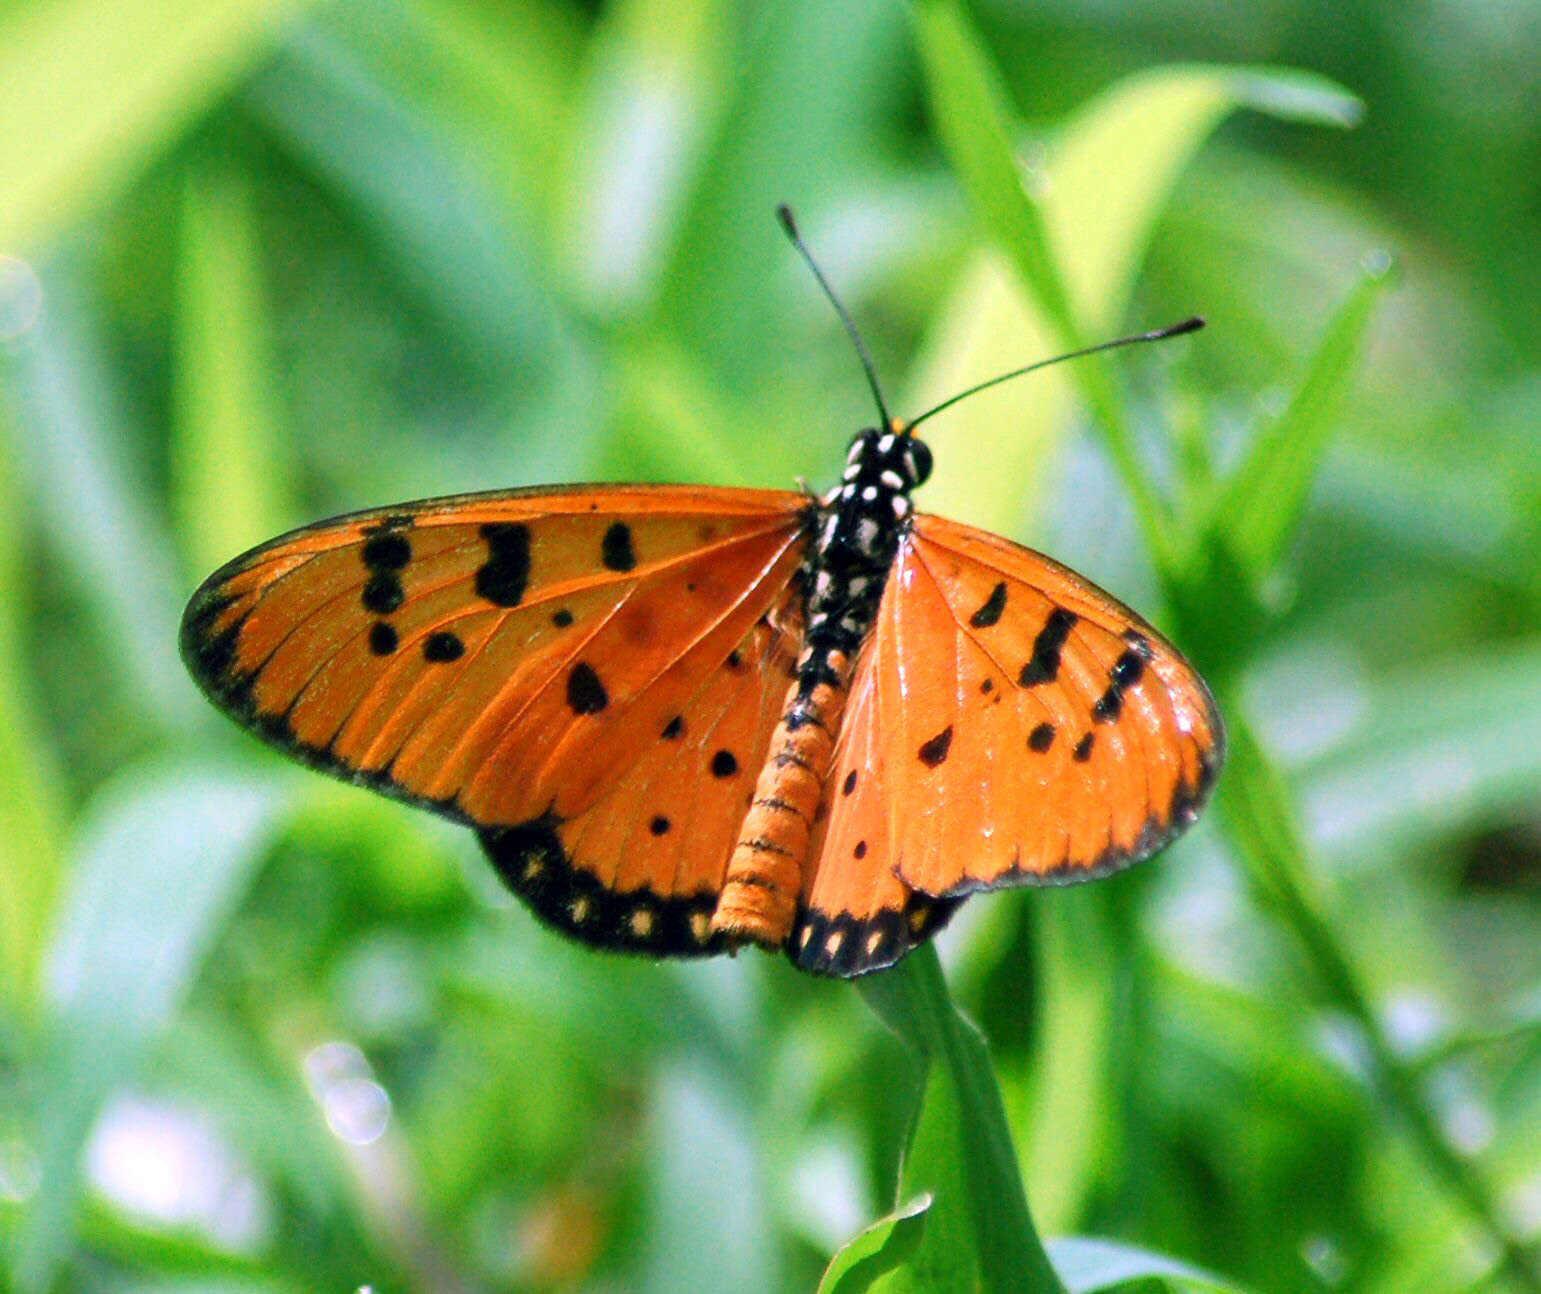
column 1175, row 330
column 784, row 214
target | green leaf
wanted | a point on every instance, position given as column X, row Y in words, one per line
column 881, row 1248
column 432, row 218
column 978, row 1232
column 1261, row 505
column 31, row 799
column 973, row 120
column 1112, row 168
column 161, row 862
column 90, row 92
column 228, row 487
column 1465, row 754
column 799, row 123
column 1063, row 1123
column 1088, row 1263
column 1077, row 248
column 75, row 451
column 657, row 76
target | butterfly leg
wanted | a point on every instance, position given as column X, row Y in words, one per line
column 765, row 874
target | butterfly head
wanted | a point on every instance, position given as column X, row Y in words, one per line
column 890, row 457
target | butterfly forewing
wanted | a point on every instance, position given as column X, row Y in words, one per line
column 1047, row 730
column 494, row 656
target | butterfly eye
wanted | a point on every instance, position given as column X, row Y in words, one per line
column 918, row 460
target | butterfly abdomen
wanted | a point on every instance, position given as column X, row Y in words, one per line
column 765, row 873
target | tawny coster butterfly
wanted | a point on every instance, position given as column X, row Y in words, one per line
column 682, row 718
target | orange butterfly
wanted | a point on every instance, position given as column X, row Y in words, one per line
column 683, row 718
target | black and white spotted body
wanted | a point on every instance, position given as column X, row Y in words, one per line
column 858, row 526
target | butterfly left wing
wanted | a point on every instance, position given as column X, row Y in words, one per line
column 1010, row 724
column 543, row 665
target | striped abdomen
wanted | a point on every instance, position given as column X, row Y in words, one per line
column 765, row 874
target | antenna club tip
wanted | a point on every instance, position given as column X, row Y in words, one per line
column 1187, row 325
column 788, row 221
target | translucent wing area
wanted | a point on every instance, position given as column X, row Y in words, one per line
column 1010, row 724
column 558, row 668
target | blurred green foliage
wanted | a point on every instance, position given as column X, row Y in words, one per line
column 261, row 261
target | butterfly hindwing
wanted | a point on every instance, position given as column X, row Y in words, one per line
column 642, row 866
column 513, row 660
column 858, row 914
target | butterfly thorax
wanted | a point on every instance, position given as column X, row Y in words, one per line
column 858, row 525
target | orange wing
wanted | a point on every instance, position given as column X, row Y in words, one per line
column 589, row 677
column 1009, row 724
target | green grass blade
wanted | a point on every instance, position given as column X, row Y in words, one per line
column 228, row 489
column 1078, row 248
column 156, row 871
column 453, row 245
column 1261, row 820
column 972, row 116
column 75, row 447
column 89, row 92
column 879, row 1250
column 1113, row 167
column 1260, row 507
column 31, row 799
column 978, row 1233
column 1087, row 1264
column 799, row 123
column 647, row 109
column 1465, row 755
column 1064, row 1122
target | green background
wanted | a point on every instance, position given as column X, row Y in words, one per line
column 261, row 262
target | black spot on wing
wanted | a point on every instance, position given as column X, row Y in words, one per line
column 382, row 638
column 503, row 578
column 1083, row 748
column 934, row 752
column 389, row 551
column 1041, row 737
column 383, row 593
column 724, row 764
column 561, row 617
column 1126, row 672
column 849, row 784
column 674, row 729
column 442, row 646
column 1043, row 667
column 615, row 549
column 659, row 826
column 585, row 693
column 990, row 612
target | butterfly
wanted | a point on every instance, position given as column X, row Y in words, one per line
column 683, row 718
